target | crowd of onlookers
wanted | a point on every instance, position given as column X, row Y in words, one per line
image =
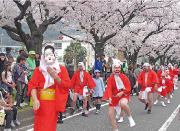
column 13, row 81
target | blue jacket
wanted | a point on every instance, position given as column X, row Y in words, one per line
column 99, row 89
column 97, row 65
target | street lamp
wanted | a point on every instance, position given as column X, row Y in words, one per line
column 1, row 42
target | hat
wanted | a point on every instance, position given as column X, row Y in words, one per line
column 125, row 60
column 32, row 52
column 97, row 71
column 8, row 49
column 2, row 54
column 146, row 64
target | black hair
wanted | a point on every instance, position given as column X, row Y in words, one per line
column 103, row 55
column 4, row 92
column 49, row 46
column 6, row 64
column 20, row 58
column 137, row 65
column 10, row 57
column 20, row 51
column 68, row 53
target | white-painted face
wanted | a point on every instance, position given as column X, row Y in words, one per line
column 49, row 56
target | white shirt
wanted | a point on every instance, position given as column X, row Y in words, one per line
column 9, row 76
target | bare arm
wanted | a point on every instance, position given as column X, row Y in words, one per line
column 36, row 103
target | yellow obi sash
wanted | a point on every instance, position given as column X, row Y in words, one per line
column 47, row 94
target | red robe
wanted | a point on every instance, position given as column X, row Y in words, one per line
column 151, row 80
column 176, row 71
column 87, row 81
column 172, row 73
column 112, row 91
column 164, row 91
column 159, row 74
column 170, row 85
column 46, row 116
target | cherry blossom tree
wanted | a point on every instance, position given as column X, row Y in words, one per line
column 37, row 15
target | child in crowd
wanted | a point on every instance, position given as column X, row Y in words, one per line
column 11, row 60
column 98, row 90
column 175, row 82
column 7, row 80
column 162, row 88
column 10, row 110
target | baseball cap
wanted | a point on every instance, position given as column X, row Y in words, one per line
column 2, row 54
column 97, row 71
column 32, row 52
column 8, row 49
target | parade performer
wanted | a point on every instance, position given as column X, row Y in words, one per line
column 169, row 86
column 163, row 83
column 79, row 82
column 49, row 88
column 118, row 92
column 98, row 90
column 161, row 70
column 175, row 80
column 148, row 80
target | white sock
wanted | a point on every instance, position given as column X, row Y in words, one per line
column 129, row 118
column 121, row 118
column 116, row 130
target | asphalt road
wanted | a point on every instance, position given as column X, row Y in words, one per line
column 144, row 121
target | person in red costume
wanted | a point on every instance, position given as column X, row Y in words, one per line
column 79, row 82
column 172, row 73
column 117, row 92
column 169, row 86
column 148, row 80
column 176, row 70
column 49, row 88
column 161, row 69
column 162, row 88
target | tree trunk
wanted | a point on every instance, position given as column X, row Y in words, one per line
column 99, row 50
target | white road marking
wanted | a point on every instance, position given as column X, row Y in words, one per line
column 169, row 120
column 76, row 114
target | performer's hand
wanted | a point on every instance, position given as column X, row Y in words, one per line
column 136, row 86
column 119, row 94
column 36, row 104
column 92, row 90
column 110, row 101
column 156, row 89
column 52, row 72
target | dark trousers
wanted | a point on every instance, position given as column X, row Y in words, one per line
column 25, row 90
column 70, row 74
column 19, row 93
column 10, row 115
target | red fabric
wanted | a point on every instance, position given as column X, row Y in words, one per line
column 170, row 85
column 87, row 80
column 172, row 73
column 159, row 74
column 164, row 91
column 46, row 116
column 176, row 71
column 151, row 80
column 112, row 90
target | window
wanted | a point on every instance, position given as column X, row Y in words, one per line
column 58, row 45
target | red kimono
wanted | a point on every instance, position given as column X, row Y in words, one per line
column 112, row 91
column 159, row 74
column 170, row 85
column 176, row 71
column 87, row 80
column 151, row 80
column 47, row 114
column 172, row 73
column 166, row 84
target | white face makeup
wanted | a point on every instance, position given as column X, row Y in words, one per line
column 49, row 56
column 117, row 69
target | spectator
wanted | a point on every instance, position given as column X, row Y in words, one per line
column 7, row 80
column 2, row 60
column 30, row 63
column 137, row 71
column 131, row 79
column 124, row 67
column 141, row 66
column 156, row 68
column 152, row 64
column 109, row 67
column 103, row 61
column 97, row 65
column 8, row 53
column 19, row 78
column 37, row 59
column 69, row 64
column 10, row 110
column 88, row 69
column 27, row 74
column 21, row 51
column 11, row 60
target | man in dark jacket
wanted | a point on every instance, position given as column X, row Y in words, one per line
column 2, row 60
